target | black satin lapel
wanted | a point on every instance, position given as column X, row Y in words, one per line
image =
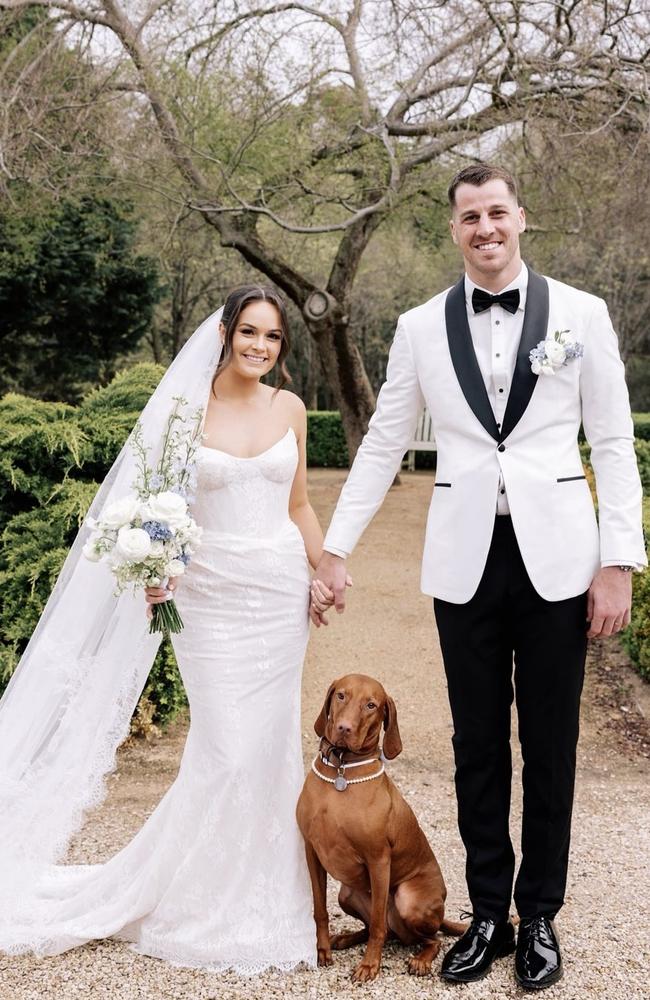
column 534, row 329
column 464, row 360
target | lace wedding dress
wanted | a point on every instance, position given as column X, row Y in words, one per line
column 216, row 877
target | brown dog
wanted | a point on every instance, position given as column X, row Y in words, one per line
column 358, row 828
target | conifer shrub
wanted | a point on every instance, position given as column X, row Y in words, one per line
column 53, row 460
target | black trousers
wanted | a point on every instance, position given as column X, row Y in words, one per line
column 505, row 620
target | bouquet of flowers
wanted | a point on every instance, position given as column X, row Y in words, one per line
column 148, row 536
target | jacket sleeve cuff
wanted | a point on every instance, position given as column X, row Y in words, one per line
column 335, row 552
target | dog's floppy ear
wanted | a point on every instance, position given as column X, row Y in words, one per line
column 321, row 721
column 392, row 740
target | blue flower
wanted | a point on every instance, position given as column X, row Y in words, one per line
column 157, row 532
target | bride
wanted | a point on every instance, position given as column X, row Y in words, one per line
column 216, row 877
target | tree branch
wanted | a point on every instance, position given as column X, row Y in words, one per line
column 79, row 13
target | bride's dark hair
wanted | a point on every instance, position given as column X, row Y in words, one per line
column 234, row 305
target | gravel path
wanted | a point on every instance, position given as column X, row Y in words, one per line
column 389, row 631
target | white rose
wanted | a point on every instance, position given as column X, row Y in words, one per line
column 90, row 551
column 168, row 507
column 120, row 512
column 133, row 544
column 157, row 547
column 176, row 567
column 555, row 353
column 190, row 536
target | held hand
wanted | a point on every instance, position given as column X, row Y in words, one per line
column 321, row 599
column 158, row 595
column 609, row 602
column 328, row 587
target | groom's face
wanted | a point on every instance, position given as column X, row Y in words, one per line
column 486, row 223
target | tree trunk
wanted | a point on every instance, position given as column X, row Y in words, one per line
column 346, row 376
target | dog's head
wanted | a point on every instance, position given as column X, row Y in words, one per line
column 353, row 713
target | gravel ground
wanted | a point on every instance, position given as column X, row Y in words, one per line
column 389, row 631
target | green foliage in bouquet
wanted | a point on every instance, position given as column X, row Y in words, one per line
column 54, row 458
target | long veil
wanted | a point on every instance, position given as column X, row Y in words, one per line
column 70, row 700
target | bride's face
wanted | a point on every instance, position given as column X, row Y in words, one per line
column 256, row 341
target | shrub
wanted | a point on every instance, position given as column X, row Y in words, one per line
column 54, row 457
column 325, row 440
column 642, row 449
column 636, row 637
column 642, row 425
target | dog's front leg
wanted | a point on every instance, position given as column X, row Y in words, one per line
column 379, row 871
column 318, row 877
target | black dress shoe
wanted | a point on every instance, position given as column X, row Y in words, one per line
column 472, row 955
column 538, row 962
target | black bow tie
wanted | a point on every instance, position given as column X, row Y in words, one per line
column 483, row 300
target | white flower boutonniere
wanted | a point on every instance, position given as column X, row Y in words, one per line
column 555, row 352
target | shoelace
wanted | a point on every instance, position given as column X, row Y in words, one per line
column 538, row 928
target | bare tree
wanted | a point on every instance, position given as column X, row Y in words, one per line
column 335, row 110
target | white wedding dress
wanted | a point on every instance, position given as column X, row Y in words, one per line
column 216, row 878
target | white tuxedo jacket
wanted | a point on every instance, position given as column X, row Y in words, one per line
column 432, row 362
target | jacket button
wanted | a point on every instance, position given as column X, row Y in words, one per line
column 501, row 447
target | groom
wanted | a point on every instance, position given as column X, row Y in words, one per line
column 520, row 571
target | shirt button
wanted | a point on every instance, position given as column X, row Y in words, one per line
column 497, row 322
column 501, row 491
column 500, row 390
column 497, row 355
column 501, row 447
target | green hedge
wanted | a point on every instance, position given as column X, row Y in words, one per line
column 636, row 638
column 325, row 440
column 641, row 426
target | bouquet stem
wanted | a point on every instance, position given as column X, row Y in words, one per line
column 165, row 618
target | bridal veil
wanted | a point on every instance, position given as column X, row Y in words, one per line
column 69, row 703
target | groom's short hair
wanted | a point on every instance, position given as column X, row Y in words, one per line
column 481, row 173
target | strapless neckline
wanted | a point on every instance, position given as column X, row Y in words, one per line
column 249, row 458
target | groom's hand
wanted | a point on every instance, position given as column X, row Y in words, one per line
column 609, row 602
column 332, row 575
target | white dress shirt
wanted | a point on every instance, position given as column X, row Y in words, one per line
column 495, row 335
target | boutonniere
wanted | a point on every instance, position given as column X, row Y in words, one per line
column 555, row 352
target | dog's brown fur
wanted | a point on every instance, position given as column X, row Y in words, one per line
column 368, row 838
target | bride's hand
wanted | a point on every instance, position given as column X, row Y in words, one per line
column 157, row 595
column 322, row 598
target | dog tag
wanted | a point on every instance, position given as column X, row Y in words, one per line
column 340, row 783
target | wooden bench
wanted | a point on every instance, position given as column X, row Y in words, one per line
column 423, row 439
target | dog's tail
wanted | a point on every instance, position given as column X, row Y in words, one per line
column 453, row 927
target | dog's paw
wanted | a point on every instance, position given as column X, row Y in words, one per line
column 419, row 966
column 365, row 971
column 324, row 956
